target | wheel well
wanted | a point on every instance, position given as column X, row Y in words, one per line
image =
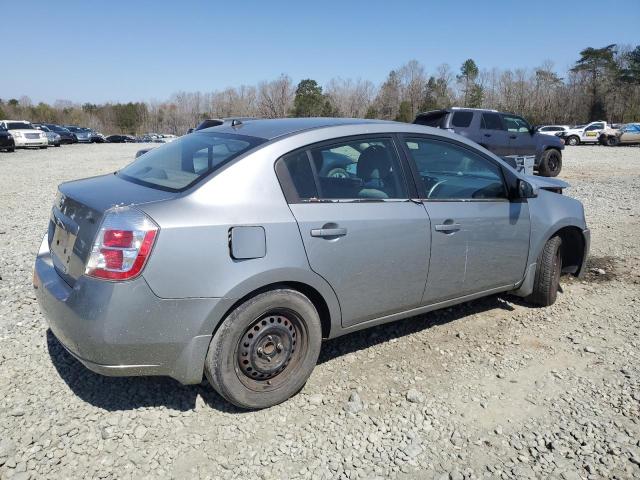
column 311, row 293
column 572, row 249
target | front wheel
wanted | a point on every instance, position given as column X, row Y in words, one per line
column 265, row 350
column 548, row 269
column 550, row 163
column 573, row 140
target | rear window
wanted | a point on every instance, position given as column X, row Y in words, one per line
column 432, row 119
column 462, row 119
column 178, row 165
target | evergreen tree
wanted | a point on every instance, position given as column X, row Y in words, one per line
column 309, row 100
column 597, row 64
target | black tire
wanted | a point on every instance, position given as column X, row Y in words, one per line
column 613, row 141
column 550, row 163
column 43, row 148
column 11, row 150
column 547, row 280
column 280, row 325
column 573, row 140
column 57, row 145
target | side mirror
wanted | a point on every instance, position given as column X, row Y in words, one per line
column 526, row 190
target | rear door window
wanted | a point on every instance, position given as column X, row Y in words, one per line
column 491, row 121
column 363, row 169
column 462, row 119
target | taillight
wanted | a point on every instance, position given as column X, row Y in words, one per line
column 123, row 245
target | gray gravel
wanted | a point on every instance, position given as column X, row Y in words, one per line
column 490, row 389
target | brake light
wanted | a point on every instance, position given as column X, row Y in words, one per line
column 122, row 246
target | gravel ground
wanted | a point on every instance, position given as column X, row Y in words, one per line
column 489, row 389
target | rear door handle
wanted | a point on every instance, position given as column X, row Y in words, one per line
column 328, row 232
column 448, row 227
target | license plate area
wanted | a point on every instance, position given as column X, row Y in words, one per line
column 62, row 242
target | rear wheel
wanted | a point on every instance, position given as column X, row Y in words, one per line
column 573, row 140
column 43, row 148
column 550, row 163
column 265, row 350
column 548, row 270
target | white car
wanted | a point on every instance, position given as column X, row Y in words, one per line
column 552, row 129
column 588, row 133
column 24, row 134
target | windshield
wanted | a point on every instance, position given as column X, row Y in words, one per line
column 181, row 163
column 19, row 126
column 74, row 129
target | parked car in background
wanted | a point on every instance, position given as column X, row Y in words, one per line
column 120, row 139
column 552, row 129
column 52, row 137
column 504, row 134
column 66, row 137
column 628, row 134
column 24, row 134
column 167, row 137
column 6, row 140
column 229, row 253
column 94, row 137
column 82, row 134
column 588, row 133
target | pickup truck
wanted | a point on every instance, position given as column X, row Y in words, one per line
column 505, row 134
column 589, row 133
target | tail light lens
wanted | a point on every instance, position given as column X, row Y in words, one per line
column 122, row 246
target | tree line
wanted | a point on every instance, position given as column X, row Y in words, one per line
column 603, row 84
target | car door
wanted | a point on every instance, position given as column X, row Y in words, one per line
column 630, row 134
column 521, row 140
column 493, row 135
column 592, row 132
column 360, row 231
column 479, row 239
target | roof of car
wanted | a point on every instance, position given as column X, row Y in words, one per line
column 278, row 127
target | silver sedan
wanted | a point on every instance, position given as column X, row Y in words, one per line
column 232, row 252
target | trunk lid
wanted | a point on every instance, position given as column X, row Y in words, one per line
column 77, row 214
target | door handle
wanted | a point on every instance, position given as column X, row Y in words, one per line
column 328, row 232
column 513, row 137
column 487, row 134
column 448, row 227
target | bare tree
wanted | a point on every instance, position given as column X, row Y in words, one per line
column 350, row 98
column 275, row 98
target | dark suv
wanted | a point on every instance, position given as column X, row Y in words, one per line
column 504, row 134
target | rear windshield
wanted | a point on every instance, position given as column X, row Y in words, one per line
column 178, row 165
column 19, row 126
column 432, row 119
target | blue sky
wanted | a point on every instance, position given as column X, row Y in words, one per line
column 141, row 50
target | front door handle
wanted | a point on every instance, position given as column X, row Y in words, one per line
column 487, row 134
column 513, row 137
column 328, row 232
column 448, row 227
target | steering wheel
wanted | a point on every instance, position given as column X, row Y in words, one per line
column 435, row 187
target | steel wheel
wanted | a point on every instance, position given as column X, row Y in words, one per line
column 269, row 349
column 265, row 350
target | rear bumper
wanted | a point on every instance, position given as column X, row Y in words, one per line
column 122, row 328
